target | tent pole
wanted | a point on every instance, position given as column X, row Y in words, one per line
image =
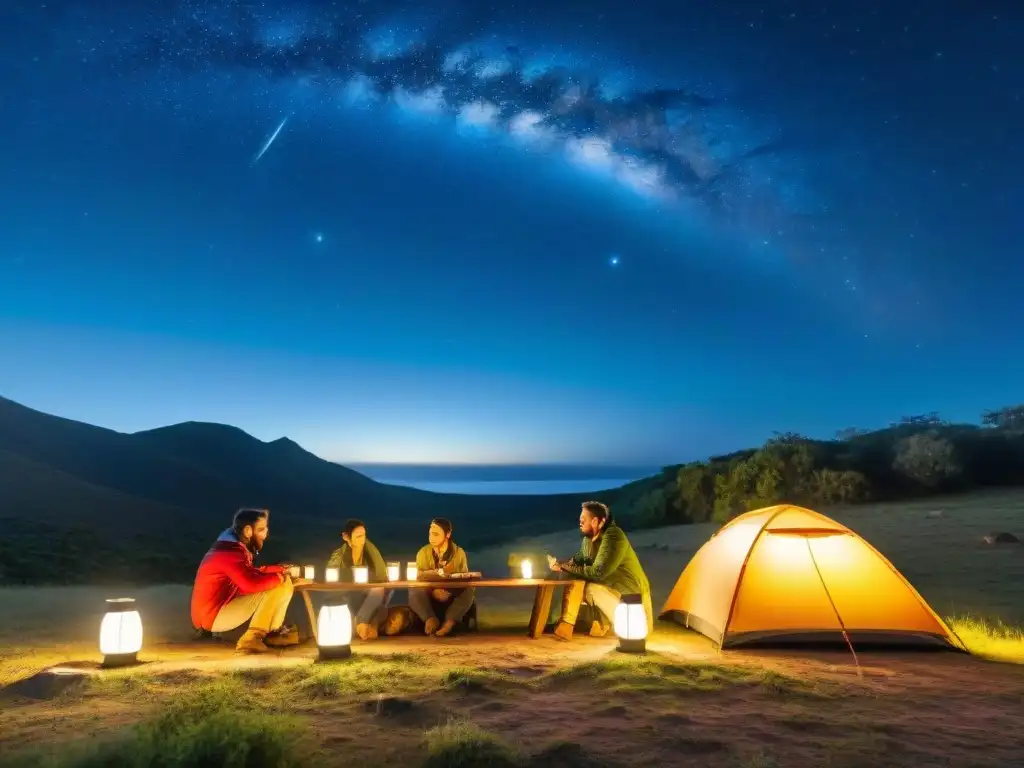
column 842, row 627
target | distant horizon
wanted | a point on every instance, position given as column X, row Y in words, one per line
column 570, row 474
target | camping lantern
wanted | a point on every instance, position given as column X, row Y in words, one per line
column 631, row 624
column 360, row 574
column 394, row 571
column 120, row 633
column 334, row 632
column 412, row 571
column 331, row 575
column 527, row 568
column 309, row 572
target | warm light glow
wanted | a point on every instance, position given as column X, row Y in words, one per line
column 394, row 571
column 120, row 630
column 360, row 574
column 412, row 571
column 334, row 627
column 631, row 623
column 527, row 568
column 309, row 572
column 331, row 574
column 295, row 571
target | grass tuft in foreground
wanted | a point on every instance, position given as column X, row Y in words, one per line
column 989, row 639
column 461, row 743
column 213, row 724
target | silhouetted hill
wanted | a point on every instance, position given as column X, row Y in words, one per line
column 148, row 504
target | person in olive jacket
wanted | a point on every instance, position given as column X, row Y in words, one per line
column 441, row 557
column 605, row 568
column 359, row 550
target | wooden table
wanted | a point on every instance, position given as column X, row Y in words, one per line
column 541, row 602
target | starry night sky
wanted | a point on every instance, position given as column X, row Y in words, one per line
column 457, row 231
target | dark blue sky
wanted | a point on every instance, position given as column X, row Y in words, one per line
column 537, row 232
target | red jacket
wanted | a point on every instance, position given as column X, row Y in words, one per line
column 226, row 572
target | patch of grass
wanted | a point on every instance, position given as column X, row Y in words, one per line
column 989, row 639
column 465, row 679
column 461, row 744
column 567, row 754
column 759, row 760
column 358, row 676
column 214, row 723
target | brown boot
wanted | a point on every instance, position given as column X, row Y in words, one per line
column 252, row 642
column 431, row 625
column 563, row 631
column 366, row 631
column 599, row 629
column 282, row 638
column 445, row 629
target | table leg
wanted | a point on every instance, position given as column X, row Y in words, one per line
column 541, row 609
column 309, row 612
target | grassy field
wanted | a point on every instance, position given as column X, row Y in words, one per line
column 496, row 698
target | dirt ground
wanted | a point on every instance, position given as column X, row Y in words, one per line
column 766, row 708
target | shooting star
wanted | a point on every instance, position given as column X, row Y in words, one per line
column 269, row 141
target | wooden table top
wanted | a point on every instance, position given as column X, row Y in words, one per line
column 348, row 586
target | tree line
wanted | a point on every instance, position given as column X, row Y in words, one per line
column 916, row 456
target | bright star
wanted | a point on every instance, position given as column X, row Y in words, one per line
column 318, row 237
column 613, row 260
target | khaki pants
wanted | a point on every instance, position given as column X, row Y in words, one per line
column 266, row 609
column 598, row 595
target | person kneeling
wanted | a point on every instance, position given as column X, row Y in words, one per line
column 359, row 550
column 606, row 567
column 444, row 556
column 229, row 590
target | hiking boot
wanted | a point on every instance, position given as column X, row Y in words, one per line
column 431, row 625
column 366, row 632
column 599, row 629
column 563, row 631
column 283, row 637
column 445, row 629
column 252, row 642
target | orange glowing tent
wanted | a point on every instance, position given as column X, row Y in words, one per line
column 789, row 574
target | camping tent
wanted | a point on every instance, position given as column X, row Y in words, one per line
column 786, row 573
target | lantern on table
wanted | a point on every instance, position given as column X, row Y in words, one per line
column 334, row 632
column 412, row 571
column 309, row 572
column 331, row 575
column 394, row 571
column 631, row 624
column 120, row 633
column 360, row 574
column 527, row 569
column 295, row 571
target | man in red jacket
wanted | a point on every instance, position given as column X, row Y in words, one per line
column 229, row 590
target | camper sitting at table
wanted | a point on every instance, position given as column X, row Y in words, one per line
column 607, row 568
column 359, row 550
column 229, row 590
column 441, row 554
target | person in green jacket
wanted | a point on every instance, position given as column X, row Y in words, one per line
column 359, row 550
column 441, row 556
column 605, row 568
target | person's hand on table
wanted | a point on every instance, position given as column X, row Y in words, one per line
column 554, row 564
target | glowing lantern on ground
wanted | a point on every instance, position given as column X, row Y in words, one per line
column 631, row 624
column 360, row 574
column 309, row 572
column 527, row 568
column 412, row 571
column 394, row 571
column 334, row 632
column 120, row 633
column 331, row 574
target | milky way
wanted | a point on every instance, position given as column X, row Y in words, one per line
column 694, row 152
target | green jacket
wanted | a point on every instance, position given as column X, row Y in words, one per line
column 612, row 561
column 342, row 559
column 454, row 560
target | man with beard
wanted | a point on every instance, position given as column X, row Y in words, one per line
column 605, row 568
column 229, row 590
